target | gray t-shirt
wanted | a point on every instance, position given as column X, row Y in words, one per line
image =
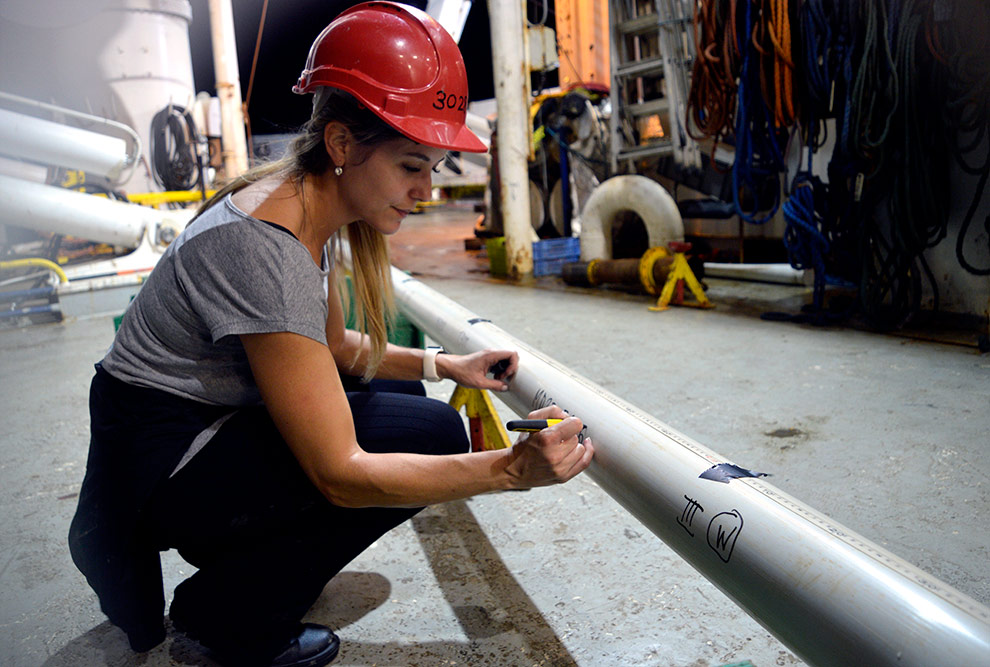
column 226, row 274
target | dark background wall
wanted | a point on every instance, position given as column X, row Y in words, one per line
column 290, row 28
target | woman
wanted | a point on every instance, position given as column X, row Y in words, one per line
column 220, row 423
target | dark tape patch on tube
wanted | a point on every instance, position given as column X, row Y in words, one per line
column 477, row 320
column 723, row 472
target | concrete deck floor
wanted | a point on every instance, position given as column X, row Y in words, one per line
column 886, row 435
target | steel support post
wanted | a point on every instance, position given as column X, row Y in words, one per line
column 513, row 132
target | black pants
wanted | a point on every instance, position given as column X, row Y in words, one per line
column 264, row 540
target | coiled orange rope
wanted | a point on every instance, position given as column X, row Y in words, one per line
column 712, row 99
column 772, row 39
column 711, row 102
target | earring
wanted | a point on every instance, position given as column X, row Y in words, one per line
column 338, row 170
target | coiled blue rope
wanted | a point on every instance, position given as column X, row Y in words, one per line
column 758, row 159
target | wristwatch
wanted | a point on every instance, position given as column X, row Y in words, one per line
column 430, row 364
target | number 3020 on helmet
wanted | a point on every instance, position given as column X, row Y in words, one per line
column 401, row 64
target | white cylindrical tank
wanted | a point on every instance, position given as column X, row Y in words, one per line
column 148, row 65
column 122, row 60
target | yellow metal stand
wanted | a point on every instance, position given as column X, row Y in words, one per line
column 681, row 274
column 487, row 431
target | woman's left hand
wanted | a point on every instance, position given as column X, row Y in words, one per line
column 471, row 370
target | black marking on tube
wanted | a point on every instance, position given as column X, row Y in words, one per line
column 723, row 472
column 542, row 399
column 723, row 531
column 687, row 516
column 477, row 320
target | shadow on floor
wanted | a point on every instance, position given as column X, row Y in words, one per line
column 459, row 551
column 495, row 614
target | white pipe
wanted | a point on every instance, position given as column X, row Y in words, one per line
column 830, row 595
column 228, row 82
column 146, row 65
column 134, row 152
column 50, row 209
column 513, row 132
column 784, row 274
column 35, row 173
column 45, row 142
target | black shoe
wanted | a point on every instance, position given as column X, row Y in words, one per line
column 314, row 646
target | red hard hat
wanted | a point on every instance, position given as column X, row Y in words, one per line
column 401, row 64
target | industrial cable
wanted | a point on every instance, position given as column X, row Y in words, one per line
column 815, row 236
column 970, row 115
column 964, row 229
column 711, row 103
column 874, row 87
column 850, row 200
column 174, row 159
column 771, row 38
column 856, row 184
column 806, row 244
column 727, row 96
column 902, row 112
column 918, row 194
column 889, row 280
column 921, row 185
column 967, row 115
column 758, row 160
column 859, row 66
column 824, row 46
column 811, row 239
column 850, row 74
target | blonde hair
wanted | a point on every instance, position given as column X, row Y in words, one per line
column 374, row 305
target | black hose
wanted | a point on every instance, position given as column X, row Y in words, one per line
column 175, row 161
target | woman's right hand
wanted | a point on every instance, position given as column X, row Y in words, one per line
column 298, row 381
column 550, row 456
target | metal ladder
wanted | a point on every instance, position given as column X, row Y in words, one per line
column 652, row 49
